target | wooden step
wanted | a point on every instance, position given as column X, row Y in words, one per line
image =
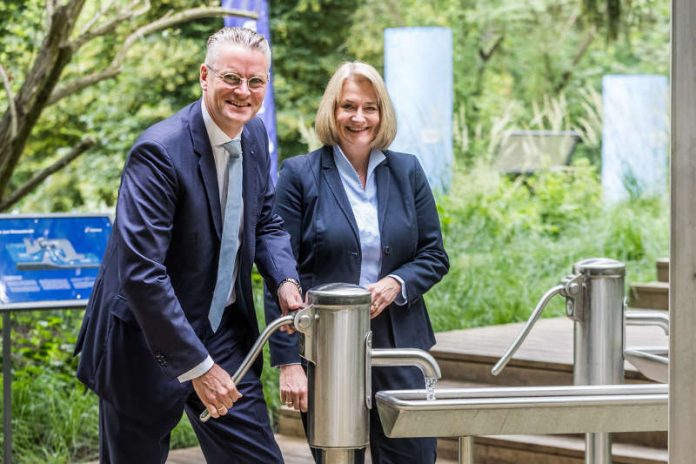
column 289, row 422
column 545, row 358
column 649, row 295
column 546, row 449
column 662, row 266
column 468, row 355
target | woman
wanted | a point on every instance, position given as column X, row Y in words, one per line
column 359, row 213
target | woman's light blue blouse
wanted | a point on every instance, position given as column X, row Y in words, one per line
column 364, row 205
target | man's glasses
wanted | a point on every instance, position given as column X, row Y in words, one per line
column 235, row 80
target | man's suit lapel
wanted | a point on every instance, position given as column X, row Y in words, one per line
column 206, row 165
column 250, row 178
column 333, row 181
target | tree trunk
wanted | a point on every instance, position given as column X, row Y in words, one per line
column 42, row 88
column 54, row 55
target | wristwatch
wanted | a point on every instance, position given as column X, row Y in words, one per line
column 292, row 281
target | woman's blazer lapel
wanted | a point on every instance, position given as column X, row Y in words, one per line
column 332, row 179
column 382, row 181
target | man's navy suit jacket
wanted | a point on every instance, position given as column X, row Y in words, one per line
column 326, row 242
column 147, row 319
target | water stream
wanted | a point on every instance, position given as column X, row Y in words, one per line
column 430, row 388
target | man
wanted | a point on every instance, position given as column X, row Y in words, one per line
column 172, row 313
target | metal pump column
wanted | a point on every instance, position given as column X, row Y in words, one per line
column 594, row 296
column 337, row 348
column 599, row 337
column 337, row 343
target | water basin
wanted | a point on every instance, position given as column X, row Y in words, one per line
column 652, row 362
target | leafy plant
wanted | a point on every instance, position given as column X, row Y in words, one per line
column 509, row 240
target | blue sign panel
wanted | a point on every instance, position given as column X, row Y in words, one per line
column 51, row 258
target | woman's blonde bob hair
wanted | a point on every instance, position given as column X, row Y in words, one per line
column 325, row 125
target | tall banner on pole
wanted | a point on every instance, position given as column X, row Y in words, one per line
column 260, row 25
column 418, row 72
column 635, row 136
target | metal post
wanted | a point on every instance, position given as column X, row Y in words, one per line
column 682, row 291
column 338, row 455
column 466, row 450
column 599, row 338
column 7, row 384
column 339, row 368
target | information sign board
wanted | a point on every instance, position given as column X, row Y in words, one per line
column 50, row 259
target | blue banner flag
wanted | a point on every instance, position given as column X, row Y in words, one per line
column 635, row 136
column 260, row 25
column 418, row 73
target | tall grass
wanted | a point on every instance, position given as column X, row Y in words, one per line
column 508, row 239
column 55, row 419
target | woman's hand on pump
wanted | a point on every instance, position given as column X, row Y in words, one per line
column 293, row 386
column 384, row 292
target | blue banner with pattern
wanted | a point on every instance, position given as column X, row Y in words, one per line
column 260, row 25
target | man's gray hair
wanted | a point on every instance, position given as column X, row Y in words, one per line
column 237, row 36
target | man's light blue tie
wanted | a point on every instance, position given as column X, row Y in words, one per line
column 229, row 242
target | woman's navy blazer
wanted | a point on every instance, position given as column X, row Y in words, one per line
column 312, row 201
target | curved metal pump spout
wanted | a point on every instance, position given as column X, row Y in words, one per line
column 407, row 357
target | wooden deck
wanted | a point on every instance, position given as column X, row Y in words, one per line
column 549, row 344
column 545, row 357
column 294, row 449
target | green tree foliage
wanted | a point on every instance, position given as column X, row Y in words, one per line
column 512, row 58
column 511, row 239
column 610, row 18
column 514, row 61
column 309, row 42
column 58, row 61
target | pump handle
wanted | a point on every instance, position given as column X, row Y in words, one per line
column 512, row 349
column 254, row 352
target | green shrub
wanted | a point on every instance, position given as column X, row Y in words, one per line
column 510, row 239
column 55, row 420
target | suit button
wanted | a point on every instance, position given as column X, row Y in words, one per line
column 159, row 357
column 386, row 249
column 354, row 254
